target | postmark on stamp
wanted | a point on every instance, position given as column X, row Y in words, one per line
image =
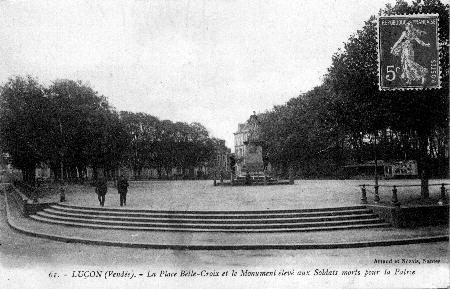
column 408, row 52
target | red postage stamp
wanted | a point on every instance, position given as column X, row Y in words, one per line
column 408, row 52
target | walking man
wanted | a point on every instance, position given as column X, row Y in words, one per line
column 101, row 189
column 122, row 188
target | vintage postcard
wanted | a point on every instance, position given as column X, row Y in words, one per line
column 224, row 144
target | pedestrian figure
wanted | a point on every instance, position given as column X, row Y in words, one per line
column 62, row 194
column 248, row 179
column 122, row 189
column 101, row 189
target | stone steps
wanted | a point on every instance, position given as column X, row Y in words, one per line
column 184, row 229
column 212, row 221
column 255, row 180
column 205, row 219
column 209, row 215
column 205, row 212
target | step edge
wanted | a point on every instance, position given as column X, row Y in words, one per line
column 168, row 229
column 176, row 218
column 353, row 207
column 114, row 223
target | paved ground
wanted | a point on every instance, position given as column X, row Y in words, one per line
column 202, row 195
column 224, row 239
column 37, row 257
column 25, row 258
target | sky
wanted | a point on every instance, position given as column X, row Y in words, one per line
column 207, row 61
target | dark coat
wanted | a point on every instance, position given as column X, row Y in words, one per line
column 122, row 186
column 101, row 187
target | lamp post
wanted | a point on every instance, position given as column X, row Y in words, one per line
column 61, row 152
column 377, row 196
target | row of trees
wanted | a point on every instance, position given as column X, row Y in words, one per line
column 70, row 127
column 338, row 122
column 163, row 145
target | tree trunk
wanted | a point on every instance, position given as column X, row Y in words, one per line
column 29, row 175
column 159, row 170
column 291, row 174
column 424, row 166
column 361, row 155
column 94, row 173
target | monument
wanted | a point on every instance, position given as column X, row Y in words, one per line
column 248, row 148
column 248, row 165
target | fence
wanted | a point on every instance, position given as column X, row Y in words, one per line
column 394, row 200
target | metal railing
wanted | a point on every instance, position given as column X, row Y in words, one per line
column 394, row 199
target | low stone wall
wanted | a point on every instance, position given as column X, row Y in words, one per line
column 18, row 197
column 26, row 205
column 410, row 217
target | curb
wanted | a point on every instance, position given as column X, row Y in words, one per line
column 306, row 246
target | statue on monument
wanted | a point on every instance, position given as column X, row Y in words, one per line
column 254, row 129
column 249, row 147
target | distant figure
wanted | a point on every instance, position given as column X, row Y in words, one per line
column 233, row 164
column 122, row 189
column 265, row 161
column 101, row 188
column 248, row 179
column 62, row 194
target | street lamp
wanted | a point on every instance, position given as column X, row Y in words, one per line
column 377, row 196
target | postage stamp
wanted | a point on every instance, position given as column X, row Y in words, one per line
column 408, row 52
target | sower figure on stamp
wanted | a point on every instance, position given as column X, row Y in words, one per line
column 122, row 188
column 101, row 188
column 411, row 70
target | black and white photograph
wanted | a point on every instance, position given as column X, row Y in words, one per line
column 224, row 144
